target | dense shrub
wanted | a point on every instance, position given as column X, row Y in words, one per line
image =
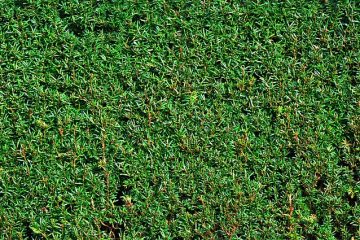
column 179, row 119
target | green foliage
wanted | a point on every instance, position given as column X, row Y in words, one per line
column 179, row 119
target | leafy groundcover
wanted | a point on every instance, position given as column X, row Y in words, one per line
column 156, row 119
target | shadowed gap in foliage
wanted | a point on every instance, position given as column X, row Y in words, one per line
column 122, row 191
column 114, row 230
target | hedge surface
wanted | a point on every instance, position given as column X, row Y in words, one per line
column 179, row 119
